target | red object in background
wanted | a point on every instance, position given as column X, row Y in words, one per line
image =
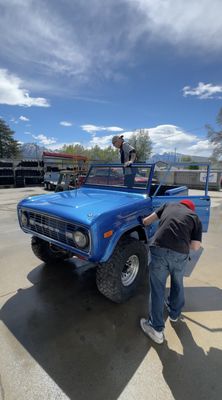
column 81, row 180
column 64, row 155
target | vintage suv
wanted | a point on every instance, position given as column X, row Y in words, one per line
column 101, row 222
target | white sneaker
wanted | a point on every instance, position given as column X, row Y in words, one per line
column 174, row 319
column 168, row 309
column 156, row 336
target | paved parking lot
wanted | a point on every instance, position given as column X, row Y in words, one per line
column 61, row 339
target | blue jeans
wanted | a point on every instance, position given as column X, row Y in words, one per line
column 165, row 262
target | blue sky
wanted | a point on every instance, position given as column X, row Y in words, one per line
column 81, row 71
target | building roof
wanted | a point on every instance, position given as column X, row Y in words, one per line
column 64, row 155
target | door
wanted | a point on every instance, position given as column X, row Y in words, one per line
column 202, row 206
column 178, row 193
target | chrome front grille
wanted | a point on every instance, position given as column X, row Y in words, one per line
column 52, row 228
column 48, row 226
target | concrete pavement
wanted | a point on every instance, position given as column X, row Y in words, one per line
column 59, row 338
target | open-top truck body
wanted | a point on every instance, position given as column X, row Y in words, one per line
column 101, row 222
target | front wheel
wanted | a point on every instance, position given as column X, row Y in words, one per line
column 47, row 252
column 119, row 278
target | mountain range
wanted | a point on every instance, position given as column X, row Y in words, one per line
column 33, row 151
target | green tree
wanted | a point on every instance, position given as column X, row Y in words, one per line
column 215, row 137
column 141, row 142
column 193, row 167
column 74, row 149
column 109, row 154
column 186, row 158
column 9, row 147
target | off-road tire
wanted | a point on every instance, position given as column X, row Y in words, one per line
column 45, row 253
column 108, row 275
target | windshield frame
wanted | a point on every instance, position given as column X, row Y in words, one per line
column 133, row 189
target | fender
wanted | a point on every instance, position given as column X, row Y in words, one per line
column 117, row 237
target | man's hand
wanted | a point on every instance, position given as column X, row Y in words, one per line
column 150, row 219
column 127, row 163
column 195, row 245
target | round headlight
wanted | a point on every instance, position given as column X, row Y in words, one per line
column 24, row 219
column 80, row 239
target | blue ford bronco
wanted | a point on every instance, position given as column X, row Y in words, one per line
column 102, row 222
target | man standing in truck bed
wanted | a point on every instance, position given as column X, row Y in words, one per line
column 127, row 158
column 179, row 231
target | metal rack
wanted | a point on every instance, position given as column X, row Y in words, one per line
column 6, row 173
column 28, row 172
column 19, row 173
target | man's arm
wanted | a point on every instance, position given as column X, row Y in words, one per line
column 196, row 235
column 195, row 245
column 150, row 219
column 132, row 155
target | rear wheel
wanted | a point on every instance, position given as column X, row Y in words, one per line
column 47, row 252
column 119, row 278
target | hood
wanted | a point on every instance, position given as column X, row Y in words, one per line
column 83, row 205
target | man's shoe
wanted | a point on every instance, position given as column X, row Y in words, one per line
column 169, row 310
column 156, row 336
column 174, row 319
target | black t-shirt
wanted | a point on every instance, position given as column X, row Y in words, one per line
column 126, row 151
column 177, row 227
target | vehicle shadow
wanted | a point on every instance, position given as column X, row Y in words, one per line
column 88, row 345
column 193, row 374
column 92, row 347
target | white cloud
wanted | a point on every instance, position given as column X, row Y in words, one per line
column 165, row 138
column 203, row 91
column 102, row 142
column 65, row 123
column 94, row 128
column 201, row 147
column 43, row 36
column 12, row 92
column 53, row 41
column 27, row 133
column 42, row 139
column 22, row 118
column 168, row 138
column 194, row 23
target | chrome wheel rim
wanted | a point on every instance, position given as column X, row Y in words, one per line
column 130, row 270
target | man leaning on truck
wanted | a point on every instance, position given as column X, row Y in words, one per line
column 179, row 231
